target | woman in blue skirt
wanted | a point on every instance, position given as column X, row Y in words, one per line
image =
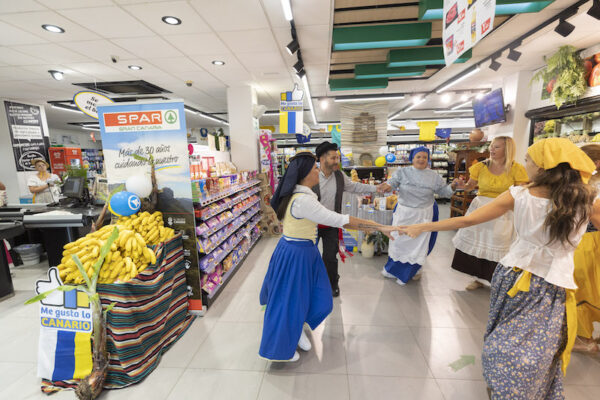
column 296, row 289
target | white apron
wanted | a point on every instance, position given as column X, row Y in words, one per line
column 404, row 248
column 490, row 240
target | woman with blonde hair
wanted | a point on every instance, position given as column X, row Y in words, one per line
column 587, row 272
column 479, row 248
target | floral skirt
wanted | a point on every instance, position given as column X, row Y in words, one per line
column 524, row 339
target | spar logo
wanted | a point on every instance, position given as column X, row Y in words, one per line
column 133, row 118
column 486, row 26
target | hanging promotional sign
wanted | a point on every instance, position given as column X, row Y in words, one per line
column 66, row 324
column 26, row 130
column 465, row 23
column 88, row 101
column 291, row 115
column 133, row 130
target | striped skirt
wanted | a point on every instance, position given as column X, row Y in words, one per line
column 524, row 339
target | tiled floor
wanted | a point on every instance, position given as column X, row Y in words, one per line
column 382, row 341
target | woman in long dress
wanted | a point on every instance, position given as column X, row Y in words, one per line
column 480, row 247
column 416, row 186
column 296, row 288
column 532, row 322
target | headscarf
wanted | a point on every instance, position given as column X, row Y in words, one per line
column 548, row 153
column 300, row 165
column 420, row 149
column 324, row 148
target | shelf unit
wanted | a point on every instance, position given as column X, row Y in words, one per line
column 242, row 225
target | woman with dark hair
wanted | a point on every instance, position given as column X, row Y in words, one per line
column 532, row 322
column 296, row 288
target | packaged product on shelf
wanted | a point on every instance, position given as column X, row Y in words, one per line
column 202, row 229
column 228, row 263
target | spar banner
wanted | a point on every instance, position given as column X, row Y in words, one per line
column 157, row 130
column 25, row 125
column 465, row 23
column 291, row 117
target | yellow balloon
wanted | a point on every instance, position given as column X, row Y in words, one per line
column 380, row 161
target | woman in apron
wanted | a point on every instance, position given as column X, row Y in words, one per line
column 416, row 186
column 480, row 247
column 296, row 288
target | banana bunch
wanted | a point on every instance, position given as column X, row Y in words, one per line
column 127, row 257
column 150, row 226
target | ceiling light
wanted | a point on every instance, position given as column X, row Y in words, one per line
column 66, row 108
column 369, row 98
column 446, row 97
column 495, row 65
column 514, row 55
column 53, row 28
column 91, row 128
column 171, row 20
column 453, row 111
column 595, row 10
column 218, row 62
column 134, row 67
column 210, row 117
column 479, row 96
column 287, row 9
column 292, row 46
column 459, row 79
column 467, row 103
column 324, row 103
column 564, row 28
column 464, row 97
column 416, row 101
column 394, row 115
column 59, row 76
column 299, row 66
column 309, row 98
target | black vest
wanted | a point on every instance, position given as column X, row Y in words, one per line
column 339, row 190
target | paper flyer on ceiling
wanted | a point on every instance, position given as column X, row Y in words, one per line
column 159, row 130
column 465, row 23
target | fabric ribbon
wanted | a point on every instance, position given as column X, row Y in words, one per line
column 522, row 285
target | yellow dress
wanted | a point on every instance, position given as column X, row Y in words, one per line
column 491, row 185
column 587, row 278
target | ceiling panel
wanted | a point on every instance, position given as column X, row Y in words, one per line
column 19, row 74
column 198, row 44
column 109, row 22
column 101, row 50
column 175, row 64
column 312, row 12
column 99, row 71
column 33, row 21
column 364, row 3
column 151, row 15
column 260, row 40
column 314, row 36
column 51, row 53
column 10, row 36
column 274, row 13
column 315, row 56
column 12, row 57
column 12, row 6
column 63, row 4
column 200, row 78
column 232, row 15
column 262, row 62
column 148, row 47
column 205, row 61
column 376, row 15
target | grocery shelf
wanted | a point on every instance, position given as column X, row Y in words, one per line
column 222, row 224
column 234, row 201
column 206, row 200
column 226, row 236
column 212, row 296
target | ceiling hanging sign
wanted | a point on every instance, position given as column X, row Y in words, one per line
column 291, row 118
column 88, row 101
column 465, row 23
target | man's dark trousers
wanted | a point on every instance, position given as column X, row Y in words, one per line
column 330, row 251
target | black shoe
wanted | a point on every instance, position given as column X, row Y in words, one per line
column 335, row 292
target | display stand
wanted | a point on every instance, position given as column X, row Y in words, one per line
column 460, row 201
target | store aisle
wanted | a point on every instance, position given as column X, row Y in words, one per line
column 382, row 341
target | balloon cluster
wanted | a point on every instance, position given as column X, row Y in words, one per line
column 385, row 156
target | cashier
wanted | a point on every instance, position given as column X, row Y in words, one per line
column 43, row 185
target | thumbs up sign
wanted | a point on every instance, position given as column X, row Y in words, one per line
column 55, row 298
column 297, row 94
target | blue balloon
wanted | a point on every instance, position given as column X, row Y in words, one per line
column 390, row 157
column 124, row 204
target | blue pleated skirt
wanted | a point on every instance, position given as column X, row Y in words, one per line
column 296, row 290
column 405, row 271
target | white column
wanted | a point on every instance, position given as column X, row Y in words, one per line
column 243, row 127
column 516, row 91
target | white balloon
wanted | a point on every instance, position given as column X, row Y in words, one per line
column 140, row 185
column 383, row 150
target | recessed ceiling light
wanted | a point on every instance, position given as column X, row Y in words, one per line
column 218, row 62
column 134, row 67
column 464, row 97
column 171, row 20
column 446, row 97
column 53, row 28
column 58, row 75
column 324, row 103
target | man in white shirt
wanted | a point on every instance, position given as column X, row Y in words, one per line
column 332, row 184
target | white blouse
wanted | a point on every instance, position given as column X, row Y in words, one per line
column 49, row 195
column 530, row 251
column 309, row 207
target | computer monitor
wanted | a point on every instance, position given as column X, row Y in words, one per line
column 73, row 187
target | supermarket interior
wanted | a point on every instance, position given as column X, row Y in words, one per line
column 300, row 199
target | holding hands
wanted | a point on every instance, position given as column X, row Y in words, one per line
column 458, row 184
column 410, row 230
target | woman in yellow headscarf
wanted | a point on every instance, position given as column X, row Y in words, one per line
column 587, row 272
column 533, row 318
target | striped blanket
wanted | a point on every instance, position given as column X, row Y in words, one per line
column 150, row 315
